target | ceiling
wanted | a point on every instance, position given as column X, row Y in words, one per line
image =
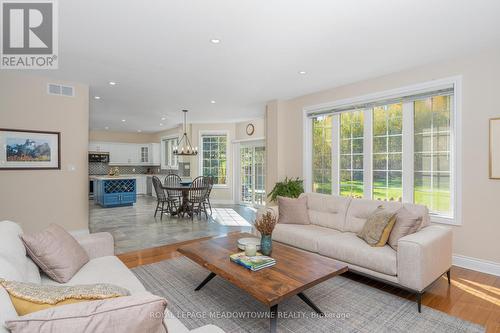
column 160, row 51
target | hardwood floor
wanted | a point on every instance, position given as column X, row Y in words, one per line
column 472, row 296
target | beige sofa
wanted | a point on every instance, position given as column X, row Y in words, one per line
column 420, row 259
column 103, row 267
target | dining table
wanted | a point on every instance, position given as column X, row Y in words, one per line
column 184, row 188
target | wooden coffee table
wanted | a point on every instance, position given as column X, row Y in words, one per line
column 294, row 272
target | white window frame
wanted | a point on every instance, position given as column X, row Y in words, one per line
column 455, row 138
column 228, row 154
column 164, row 165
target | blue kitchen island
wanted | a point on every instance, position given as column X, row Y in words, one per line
column 114, row 191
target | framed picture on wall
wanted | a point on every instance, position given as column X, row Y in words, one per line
column 28, row 150
column 495, row 148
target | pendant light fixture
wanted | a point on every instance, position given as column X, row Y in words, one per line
column 184, row 147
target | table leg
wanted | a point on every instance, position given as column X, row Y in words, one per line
column 273, row 315
column 310, row 303
column 207, row 279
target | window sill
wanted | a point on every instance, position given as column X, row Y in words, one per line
column 445, row 220
column 220, row 186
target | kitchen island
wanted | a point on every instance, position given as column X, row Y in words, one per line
column 114, row 191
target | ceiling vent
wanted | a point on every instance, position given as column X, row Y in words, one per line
column 60, row 90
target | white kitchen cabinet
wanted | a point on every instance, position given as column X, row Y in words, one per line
column 141, row 186
column 128, row 153
column 155, row 154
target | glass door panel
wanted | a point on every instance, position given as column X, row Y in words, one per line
column 252, row 174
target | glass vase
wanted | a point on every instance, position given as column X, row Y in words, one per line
column 266, row 245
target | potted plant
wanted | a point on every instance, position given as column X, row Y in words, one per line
column 290, row 187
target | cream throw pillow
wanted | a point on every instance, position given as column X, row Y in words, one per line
column 31, row 297
column 131, row 314
column 406, row 224
column 378, row 227
column 293, row 211
column 56, row 252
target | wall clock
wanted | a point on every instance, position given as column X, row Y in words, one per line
column 250, row 129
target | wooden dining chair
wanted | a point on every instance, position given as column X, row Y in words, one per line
column 174, row 197
column 196, row 197
column 210, row 183
column 161, row 198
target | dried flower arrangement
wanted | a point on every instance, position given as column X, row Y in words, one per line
column 265, row 223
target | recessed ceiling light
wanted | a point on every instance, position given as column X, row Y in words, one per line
column 163, row 118
column 302, row 72
column 97, row 97
column 124, row 120
column 161, row 124
column 215, row 41
column 106, row 128
column 112, row 83
column 213, row 102
column 139, row 131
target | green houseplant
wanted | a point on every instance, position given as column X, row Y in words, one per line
column 290, row 187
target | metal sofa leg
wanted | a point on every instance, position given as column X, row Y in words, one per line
column 419, row 301
column 448, row 274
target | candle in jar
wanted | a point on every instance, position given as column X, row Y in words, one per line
column 250, row 250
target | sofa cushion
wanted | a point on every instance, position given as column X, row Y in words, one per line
column 13, row 255
column 104, row 270
column 420, row 211
column 353, row 250
column 56, row 252
column 360, row 209
column 302, row 236
column 137, row 314
column 293, row 211
column 327, row 210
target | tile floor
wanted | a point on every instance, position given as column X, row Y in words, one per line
column 136, row 228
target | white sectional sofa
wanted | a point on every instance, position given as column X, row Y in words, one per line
column 103, row 267
column 420, row 259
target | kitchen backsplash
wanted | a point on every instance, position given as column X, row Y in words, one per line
column 103, row 169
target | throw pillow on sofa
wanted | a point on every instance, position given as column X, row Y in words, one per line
column 31, row 297
column 56, row 252
column 378, row 227
column 406, row 224
column 131, row 314
column 293, row 211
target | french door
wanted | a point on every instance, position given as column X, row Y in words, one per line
column 252, row 182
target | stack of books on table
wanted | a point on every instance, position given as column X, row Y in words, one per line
column 254, row 263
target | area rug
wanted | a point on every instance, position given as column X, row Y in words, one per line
column 349, row 306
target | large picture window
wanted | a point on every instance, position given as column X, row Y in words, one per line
column 169, row 160
column 394, row 149
column 214, row 157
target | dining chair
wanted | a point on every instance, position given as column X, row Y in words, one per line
column 196, row 197
column 161, row 198
column 210, row 183
column 174, row 197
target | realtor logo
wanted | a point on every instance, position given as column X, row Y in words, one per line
column 29, row 34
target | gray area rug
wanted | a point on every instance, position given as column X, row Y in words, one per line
column 349, row 306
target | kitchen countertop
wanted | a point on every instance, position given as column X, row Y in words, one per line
column 107, row 177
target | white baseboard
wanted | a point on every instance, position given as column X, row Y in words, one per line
column 479, row 265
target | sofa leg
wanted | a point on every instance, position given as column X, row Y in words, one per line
column 448, row 274
column 419, row 301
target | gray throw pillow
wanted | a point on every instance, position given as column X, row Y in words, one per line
column 378, row 227
column 406, row 224
column 56, row 252
column 293, row 211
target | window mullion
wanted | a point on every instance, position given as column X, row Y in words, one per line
column 335, row 154
column 408, row 152
column 367, row 154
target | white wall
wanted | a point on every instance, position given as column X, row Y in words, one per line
column 36, row 198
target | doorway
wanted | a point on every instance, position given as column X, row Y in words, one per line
column 252, row 182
